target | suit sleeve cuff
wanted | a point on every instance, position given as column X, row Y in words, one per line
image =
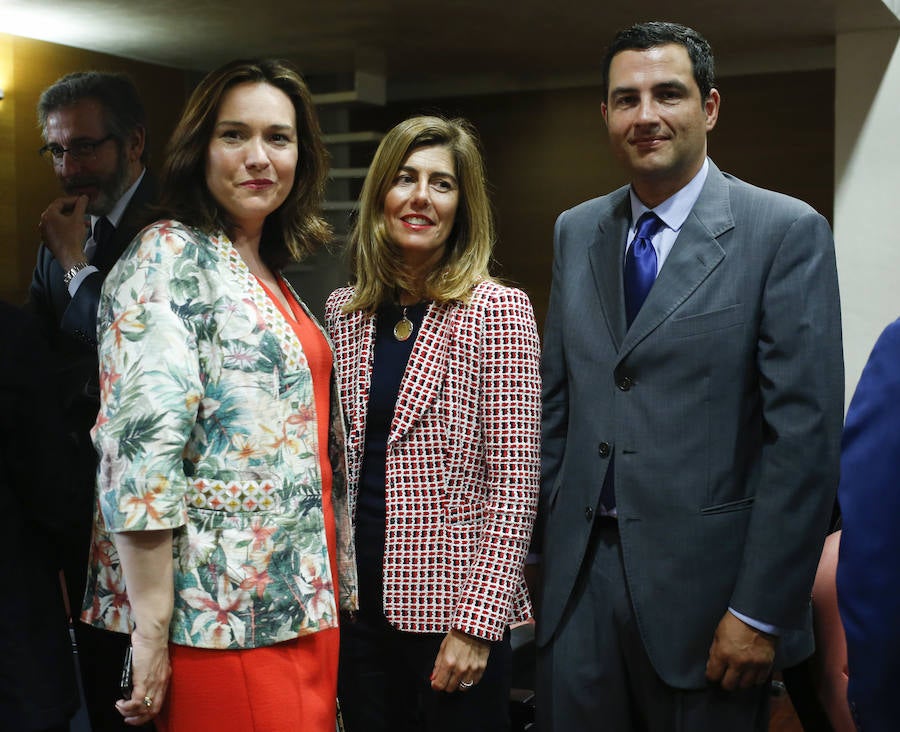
column 764, row 627
column 79, row 278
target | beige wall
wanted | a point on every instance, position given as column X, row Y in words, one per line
column 27, row 184
column 8, row 199
column 867, row 106
column 547, row 150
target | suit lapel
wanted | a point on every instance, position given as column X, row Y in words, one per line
column 421, row 384
column 606, row 255
column 137, row 214
column 695, row 254
column 135, row 218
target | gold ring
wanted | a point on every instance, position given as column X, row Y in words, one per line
column 148, row 702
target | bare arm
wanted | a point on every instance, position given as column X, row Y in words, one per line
column 148, row 569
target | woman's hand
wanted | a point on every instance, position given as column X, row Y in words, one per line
column 460, row 662
column 151, row 671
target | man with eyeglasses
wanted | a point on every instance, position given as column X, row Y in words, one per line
column 94, row 128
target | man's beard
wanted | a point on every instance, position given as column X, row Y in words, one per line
column 109, row 188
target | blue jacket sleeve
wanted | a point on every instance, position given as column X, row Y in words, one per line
column 869, row 564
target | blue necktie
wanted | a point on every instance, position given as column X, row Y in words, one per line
column 640, row 265
column 640, row 273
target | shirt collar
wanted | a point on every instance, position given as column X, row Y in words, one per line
column 677, row 207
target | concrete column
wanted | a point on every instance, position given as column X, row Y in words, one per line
column 867, row 187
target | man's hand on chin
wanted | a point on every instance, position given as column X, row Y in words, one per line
column 63, row 229
column 740, row 656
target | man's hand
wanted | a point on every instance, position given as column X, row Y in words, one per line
column 63, row 230
column 740, row 656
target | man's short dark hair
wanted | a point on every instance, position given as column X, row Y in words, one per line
column 123, row 110
column 642, row 36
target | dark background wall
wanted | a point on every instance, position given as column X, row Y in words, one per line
column 27, row 183
column 547, row 151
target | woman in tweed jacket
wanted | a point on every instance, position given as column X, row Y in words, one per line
column 438, row 372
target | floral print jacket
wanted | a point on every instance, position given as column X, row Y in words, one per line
column 207, row 426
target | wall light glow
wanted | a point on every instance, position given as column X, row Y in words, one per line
column 83, row 24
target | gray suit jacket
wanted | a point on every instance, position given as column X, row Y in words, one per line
column 721, row 406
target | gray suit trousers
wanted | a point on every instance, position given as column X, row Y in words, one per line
column 595, row 675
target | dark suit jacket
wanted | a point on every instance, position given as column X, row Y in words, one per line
column 868, row 575
column 69, row 325
column 721, row 406
column 74, row 319
column 37, row 671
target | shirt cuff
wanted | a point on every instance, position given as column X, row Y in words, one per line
column 79, row 278
column 764, row 627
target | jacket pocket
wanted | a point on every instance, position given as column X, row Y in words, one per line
column 692, row 325
column 742, row 504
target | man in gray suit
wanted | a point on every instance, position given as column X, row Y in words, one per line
column 693, row 395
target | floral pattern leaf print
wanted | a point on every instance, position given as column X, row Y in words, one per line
column 207, row 427
column 135, row 432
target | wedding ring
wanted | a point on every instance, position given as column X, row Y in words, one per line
column 148, row 702
column 466, row 684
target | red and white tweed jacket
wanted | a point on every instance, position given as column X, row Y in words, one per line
column 463, row 459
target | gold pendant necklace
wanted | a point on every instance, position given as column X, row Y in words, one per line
column 404, row 327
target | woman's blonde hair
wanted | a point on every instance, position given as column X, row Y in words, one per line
column 375, row 260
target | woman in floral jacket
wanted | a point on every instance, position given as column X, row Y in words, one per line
column 222, row 533
column 438, row 367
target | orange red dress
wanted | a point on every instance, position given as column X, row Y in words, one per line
column 287, row 686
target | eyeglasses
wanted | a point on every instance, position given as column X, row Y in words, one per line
column 80, row 150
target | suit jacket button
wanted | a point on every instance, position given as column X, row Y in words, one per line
column 588, row 513
column 603, row 449
column 625, row 383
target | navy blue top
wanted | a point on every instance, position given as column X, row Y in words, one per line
column 388, row 367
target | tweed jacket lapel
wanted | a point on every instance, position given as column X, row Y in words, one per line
column 358, row 338
column 695, row 254
column 426, row 369
column 606, row 255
